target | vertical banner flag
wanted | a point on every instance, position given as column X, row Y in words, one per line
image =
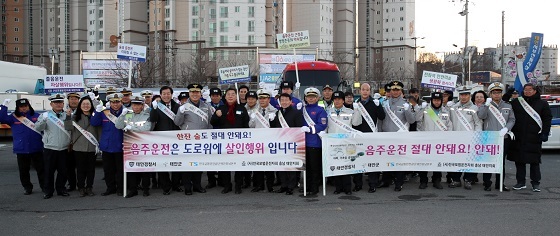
column 531, row 59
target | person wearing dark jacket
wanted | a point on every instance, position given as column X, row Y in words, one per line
column 532, row 127
column 229, row 116
column 162, row 116
column 292, row 119
column 28, row 145
column 376, row 112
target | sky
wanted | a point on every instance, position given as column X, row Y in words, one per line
column 442, row 26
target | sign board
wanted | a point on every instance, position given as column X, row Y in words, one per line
column 104, row 65
column 437, row 80
column 103, row 83
column 235, row 74
column 284, row 59
column 131, row 52
column 100, row 74
column 299, row 39
column 269, row 78
column 64, row 83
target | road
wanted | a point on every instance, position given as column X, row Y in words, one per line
column 385, row 212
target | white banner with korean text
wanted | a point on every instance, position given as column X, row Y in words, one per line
column 215, row 150
column 451, row 151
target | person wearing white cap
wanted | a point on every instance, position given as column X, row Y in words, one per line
column 489, row 113
column 56, row 139
column 73, row 100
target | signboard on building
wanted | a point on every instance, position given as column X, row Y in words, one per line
column 64, row 83
column 131, row 52
column 235, row 74
column 299, row 39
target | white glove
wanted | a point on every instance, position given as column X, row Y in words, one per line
column 503, row 132
column 297, row 85
column 322, row 133
column 305, row 129
column 127, row 128
column 99, row 108
column 154, row 105
column 124, row 111
column 299, row 106
column 406, row 106
column 271, row 116
column 91, row 95
column 450, row 103
column 182, row 109
column 253, row 115
column 424, row 104
column 6, row 102
column 488, row 101
column 44, row 116
column 376, row 102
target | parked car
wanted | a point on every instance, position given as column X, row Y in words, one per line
column 554, row 138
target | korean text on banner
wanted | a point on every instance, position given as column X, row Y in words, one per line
column 457, row 151
column 437, row 80
column 530, row 62
column 299, row 39
column 131, row 52
column 215, row 150
column 231, row 75
column 64, row 83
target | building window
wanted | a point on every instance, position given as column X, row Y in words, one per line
column 212, row 27
column 251, row 11
column 100, row 23
column 16, row 19
column 212, row 41
column 168, row 25
column 194, row 10
column 195, row 23
column 16, row 58
column 224, row 26
column 237, row 8
column 251, row 1
column 225, row 55
column 100, row 13
column 16, row 39
column 252, row 54
column 212, row 55
column 16, row 29
column 402, row 9
column 237, row 37
column 237, row 23
column 251, row 40
column 100, row 45
column 212, row 13
column 251, row 25
column 224, row 12
column 402, row 18
column 223, row 40
column 377, row 51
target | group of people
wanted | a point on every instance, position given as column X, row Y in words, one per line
column 67, row 139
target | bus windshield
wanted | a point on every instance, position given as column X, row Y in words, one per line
column 315, row 78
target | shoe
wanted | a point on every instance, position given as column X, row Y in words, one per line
column 166, row 192
column 27, row 192
column 89, row 192
column 200, row 190
column 289, row 192
column 281, row 190
column 383, row 185
column 348, row 192
column 226, row 190
column 519, row 186
column 454, row 184
column 120, row 194
column 106, row 193
column 131, row 194
column 314, row 192
column 300, row 190
column 487, row 188
column 246, row 186
column 63, row 194
column 70, row 189
column 475, row 180
column 270, row 190
column 82, row 192
column 336, row 192
column 536, row 188
column 357, row 189
column 398, row 188
column 179, row 189
column 188, row 193
column 257, row 189
column 423, row 185
column 155, row 185
column 47, row 196
column 437, row 185
column 372, row 190
column 468, row 185
column 277, row 183
column 238, row 191
column 448, row 180
column 406, row 178
column 209, row 186
column 146, row 193
column 505, row 189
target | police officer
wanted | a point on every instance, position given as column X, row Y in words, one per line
column 183, row 97
column 147, row 95
column 464, row 118
column 111, row 142
column 109, row 91
column 215, row 101
column 55, row 139
column 73, row 100
column 194, row 115
column 341, row 120
column 287, row 87
column 162, row 117
column 136, row 120
column 127, row 95
column 373, row 114
column 315, row 121
column 326, row 101
column 28, row 145
column 287, row 117
column 252, row 107
column 427, row 121
column 262, row 118
column 399, row 116
column 492, row 123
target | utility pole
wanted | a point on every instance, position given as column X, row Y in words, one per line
column 465, row 13
column 503, row 48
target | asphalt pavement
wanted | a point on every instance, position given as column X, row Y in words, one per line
column 385, row 212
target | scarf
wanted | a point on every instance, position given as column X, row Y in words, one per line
column 230, row 117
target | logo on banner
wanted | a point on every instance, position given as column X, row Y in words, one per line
column 165, row 164
column 333, row 168
column 193, row 163
column 439, row 164
column 243, row 163
column 131, row 164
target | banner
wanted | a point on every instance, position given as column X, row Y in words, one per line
column 64, row 83
column 231, row 75
column 297, row 39
column 437, row 80
column 525, row 70
column 131, row 52
column 215, row 150
column 284, row 59
column 451, row 151
column 105, row 65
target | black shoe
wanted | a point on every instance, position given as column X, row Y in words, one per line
column 438, row 185
column 179, row 189
column 313, row 192
column 475, row 180
column 372, row 190
column 289, row 192
column 257, row 189
column 281, row 190
column 209, row 186
column 146, row 193
column 238, row 191
column 300, row 190
column 423, row 185
column 226, row 190
column 270, row 190
column 246, row 186
column 106, row 193
column 277, row 184
column 398, row 188
column 155, row 185
column 120, row 194
column 63, row 194
column 505, row 189
column 487, row 188
column 27, row 192
column 336, row 192
column 383, row 185
column 348, row 192
column 188, row 193
column 131, row 194
column 47, row 196
column 70, row 189
column 200, row 190
column 357, row 189
column 166, row 192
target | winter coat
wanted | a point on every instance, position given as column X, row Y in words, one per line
column 79, row 142
column 111, row 138
column 319, row 116
column 160, row 121
column 376, row 113
column 241, row 117
column 25, row 140
column 292, row 116
column 54, row 138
